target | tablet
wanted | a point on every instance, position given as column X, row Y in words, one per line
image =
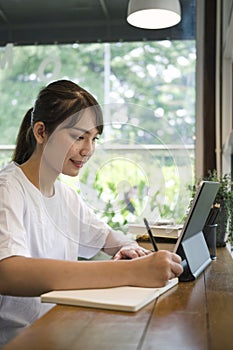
column 191, row 244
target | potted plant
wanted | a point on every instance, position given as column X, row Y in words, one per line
column 224, row 197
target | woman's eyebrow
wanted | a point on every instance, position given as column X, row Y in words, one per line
column 85, row 131
column 81, row 129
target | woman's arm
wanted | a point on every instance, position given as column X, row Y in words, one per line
column 121, row 247
column 20, row 276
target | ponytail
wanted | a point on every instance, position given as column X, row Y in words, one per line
column 25, row 142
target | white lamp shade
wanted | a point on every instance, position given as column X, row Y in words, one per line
column 154, row 14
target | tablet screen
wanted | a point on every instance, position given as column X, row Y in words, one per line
column 191, row 245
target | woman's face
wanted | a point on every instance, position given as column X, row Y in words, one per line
column 68, row 149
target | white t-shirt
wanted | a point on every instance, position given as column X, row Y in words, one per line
column 31, row 225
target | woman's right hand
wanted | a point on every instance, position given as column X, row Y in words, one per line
column 156, row 269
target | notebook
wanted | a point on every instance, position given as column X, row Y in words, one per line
column 124, row 298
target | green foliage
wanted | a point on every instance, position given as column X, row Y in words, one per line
column 224, row 192
column 109, row 212
column 157, row 76
column 224, row 197
column 225, row 189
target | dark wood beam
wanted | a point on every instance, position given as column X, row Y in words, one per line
column 209, row 91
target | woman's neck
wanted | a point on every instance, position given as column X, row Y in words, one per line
column 39, row 176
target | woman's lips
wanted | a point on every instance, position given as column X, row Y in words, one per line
column 77, row 164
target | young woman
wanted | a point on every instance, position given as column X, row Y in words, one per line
column 45, row 225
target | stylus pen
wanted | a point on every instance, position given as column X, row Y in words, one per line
column 152, row 239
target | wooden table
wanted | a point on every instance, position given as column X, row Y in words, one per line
column 193, row 315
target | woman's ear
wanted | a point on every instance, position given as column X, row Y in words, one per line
column 39, row 132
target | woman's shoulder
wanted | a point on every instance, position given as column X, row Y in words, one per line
column 11, row 181
column 9, row 173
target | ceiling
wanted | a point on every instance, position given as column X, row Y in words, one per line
column 25, row 22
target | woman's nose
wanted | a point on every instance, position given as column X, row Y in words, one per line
column 87, row 149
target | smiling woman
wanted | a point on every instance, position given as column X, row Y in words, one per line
column 46, row 226
column 61, row 108
column 57, row 102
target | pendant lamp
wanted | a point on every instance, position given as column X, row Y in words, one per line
column 153, row 14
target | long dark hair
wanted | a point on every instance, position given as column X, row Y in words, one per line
column 55, row 103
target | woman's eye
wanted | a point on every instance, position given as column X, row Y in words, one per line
column 81, row 137
column 76, row 137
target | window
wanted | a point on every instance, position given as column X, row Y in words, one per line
column 144, row 163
